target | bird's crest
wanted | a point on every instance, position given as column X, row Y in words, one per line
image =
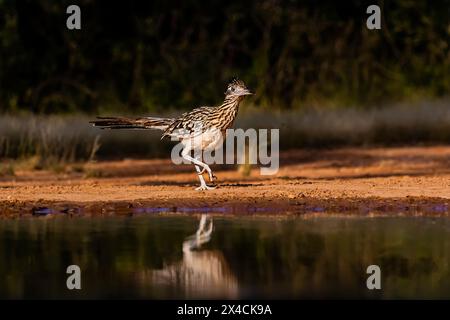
column 236, row 82
column 235, row 85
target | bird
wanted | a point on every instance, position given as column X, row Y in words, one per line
column 202, row 129
column 200, row 271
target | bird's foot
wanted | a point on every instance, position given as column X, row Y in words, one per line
column 205, row 187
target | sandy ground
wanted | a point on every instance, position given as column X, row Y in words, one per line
column 391, row 180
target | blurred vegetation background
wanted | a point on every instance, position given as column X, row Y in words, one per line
column 319, row 74
column 141, row 56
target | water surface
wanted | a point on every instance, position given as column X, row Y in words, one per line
column 155, row 256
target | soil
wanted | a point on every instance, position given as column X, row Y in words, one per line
column 364, row 181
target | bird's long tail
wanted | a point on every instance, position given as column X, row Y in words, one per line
column 129, row 123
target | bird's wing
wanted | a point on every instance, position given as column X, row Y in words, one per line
column 190, row 124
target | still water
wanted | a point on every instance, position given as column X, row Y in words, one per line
column 224, row 256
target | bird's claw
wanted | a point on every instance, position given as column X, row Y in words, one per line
column 205, row 187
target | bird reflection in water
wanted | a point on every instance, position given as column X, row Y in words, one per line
column 201, row 273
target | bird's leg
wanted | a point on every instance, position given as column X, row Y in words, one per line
column 186, row 156
column 210, row 229
column 203, row 185
column 201, row 225
column 200, row 237
column 198, row 164
column 201, row 233
column 211, row 175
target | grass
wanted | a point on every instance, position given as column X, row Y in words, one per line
column 422, row 123
column 93, row 173
column 47, row 142
column 7, row 170
column 52, row 142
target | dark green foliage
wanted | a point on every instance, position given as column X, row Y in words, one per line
column 139, row 56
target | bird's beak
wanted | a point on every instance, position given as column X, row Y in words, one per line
column 246, row 92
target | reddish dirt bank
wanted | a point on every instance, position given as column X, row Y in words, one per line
column 385, row 180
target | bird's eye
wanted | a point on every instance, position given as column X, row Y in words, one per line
column 232, row 89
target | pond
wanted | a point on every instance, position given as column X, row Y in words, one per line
column 171, row 256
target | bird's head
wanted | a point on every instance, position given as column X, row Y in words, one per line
column 237, row 88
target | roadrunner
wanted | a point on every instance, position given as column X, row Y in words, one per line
column 199, row 130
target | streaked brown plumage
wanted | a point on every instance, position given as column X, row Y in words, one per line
column 200, row 129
